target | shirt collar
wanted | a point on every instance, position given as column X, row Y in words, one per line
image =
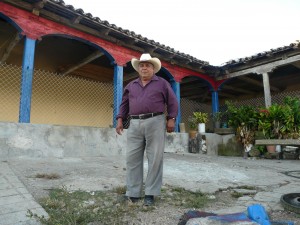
column 138, row 79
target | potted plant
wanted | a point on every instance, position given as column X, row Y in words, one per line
column 294, row 104
column 217, row 118
column 201, row 118
column 192, row 127
column 244, row 120
column 276, row 122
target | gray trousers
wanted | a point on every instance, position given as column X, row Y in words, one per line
column 145, row 135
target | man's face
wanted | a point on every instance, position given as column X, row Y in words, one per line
column 146, row 70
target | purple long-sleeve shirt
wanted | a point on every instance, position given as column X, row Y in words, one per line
column 151, row 98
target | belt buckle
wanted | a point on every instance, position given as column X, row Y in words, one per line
column 141, row 116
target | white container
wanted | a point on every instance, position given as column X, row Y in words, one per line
column 201, row 128
column 278, row 148
column 182, row 127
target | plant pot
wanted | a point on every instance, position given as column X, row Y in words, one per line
column 201, row 127
column 271, row 148
column 278, row 148
column 217, row 124
column 182, row 127
column 224, row 125
column 192, row 134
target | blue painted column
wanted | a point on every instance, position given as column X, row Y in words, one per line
column 118, row 90
column 215, row 102
column 26, row 81
column 176, row 89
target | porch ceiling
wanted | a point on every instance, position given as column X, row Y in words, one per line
column 58, row 54
column 284, row 78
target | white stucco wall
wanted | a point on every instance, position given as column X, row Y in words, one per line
column 39, row 140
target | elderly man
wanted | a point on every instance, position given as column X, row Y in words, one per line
column 145, row 100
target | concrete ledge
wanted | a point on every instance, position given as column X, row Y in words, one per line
column 177, row 142
column 277, row 142
column 40, row 140
column 224, row 131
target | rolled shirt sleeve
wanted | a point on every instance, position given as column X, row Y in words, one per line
column 124, row 107
column 172, row 103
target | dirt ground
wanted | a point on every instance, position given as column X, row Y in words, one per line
column 105, row 173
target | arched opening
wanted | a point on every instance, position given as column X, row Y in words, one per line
column 12, row 45
column 72, row 83
column 195, row 94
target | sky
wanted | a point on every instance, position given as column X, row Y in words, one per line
column 215, row 31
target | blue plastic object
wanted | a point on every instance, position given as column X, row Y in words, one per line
column 258, row 214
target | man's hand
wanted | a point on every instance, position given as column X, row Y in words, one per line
column 119, row 127
column 170, row 125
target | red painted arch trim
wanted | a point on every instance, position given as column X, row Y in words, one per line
column 219, row 83
column 39, row 27
column 179, row 73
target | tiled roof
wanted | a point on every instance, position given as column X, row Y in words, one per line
column 68, row 11
column 129, row 33
column 264, row 54
column 205, row 64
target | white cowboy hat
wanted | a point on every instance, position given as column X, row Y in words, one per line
column 146, row 57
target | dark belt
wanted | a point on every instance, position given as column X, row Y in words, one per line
column 145, row 116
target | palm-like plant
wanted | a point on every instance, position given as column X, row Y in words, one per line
column 244, row 120
column 294, row 104
column 276, row 121
column 200, row 117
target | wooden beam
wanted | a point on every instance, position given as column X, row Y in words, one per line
column 87, row 60
column 21, row 4
column 94, row 72
column 296, row 64
column 220, row 93
column 205, row 96
column 150, row 49
column 130, row 76
column 257, row 83
column 199, row 98
column 102, row 32
column 105, row 31
column 189, row 80
column 266, row 68
column 192, row 87
column 14, row 41
column 38, row 6
column 132, row 41
column 227, row 87
column 170, row 56
column 194, row 93
column 76, row 19
column 186, row 61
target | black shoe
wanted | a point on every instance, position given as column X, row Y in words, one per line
column 125, row 198
column 149, row 200
column 133, row 199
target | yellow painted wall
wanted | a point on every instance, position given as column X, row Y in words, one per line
column 56, row 99
column 10, row 79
